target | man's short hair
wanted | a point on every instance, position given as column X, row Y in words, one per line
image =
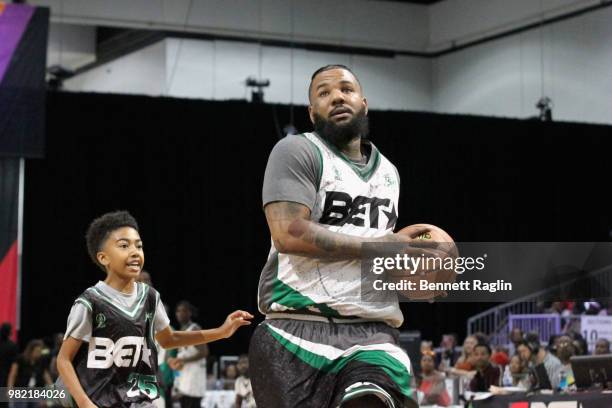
column 100, row 229
column 485, row 345
column 329, row 68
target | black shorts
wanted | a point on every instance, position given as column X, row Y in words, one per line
column 312, row 364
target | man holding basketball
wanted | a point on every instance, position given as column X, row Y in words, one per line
column 325, row 193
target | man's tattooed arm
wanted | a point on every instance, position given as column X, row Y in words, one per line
column 293, row 232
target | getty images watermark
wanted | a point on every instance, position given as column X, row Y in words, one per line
column 485, row 271
column 428, row 269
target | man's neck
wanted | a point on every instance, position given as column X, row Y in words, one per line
column 352, row 149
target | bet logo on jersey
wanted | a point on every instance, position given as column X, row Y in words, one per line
column 340, row 208
column 125, row 352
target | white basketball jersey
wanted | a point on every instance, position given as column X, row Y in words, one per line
column 352, row 200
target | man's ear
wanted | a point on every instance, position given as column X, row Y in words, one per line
column 365, row 104
column 311, row 114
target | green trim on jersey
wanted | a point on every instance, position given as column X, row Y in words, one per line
column 320, row 155
column 364, row 173
column 84, row 302
column 285, row 295
column 379, row 358
column 131, row 312
column 152, row 323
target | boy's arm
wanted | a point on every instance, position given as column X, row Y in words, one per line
column 168, row 338
column 69, row 348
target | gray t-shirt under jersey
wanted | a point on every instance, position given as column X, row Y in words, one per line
column 80, row 321
column 292, row 172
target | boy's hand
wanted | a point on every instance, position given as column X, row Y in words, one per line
column 234, row 321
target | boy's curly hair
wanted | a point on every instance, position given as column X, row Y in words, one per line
column 100, row 229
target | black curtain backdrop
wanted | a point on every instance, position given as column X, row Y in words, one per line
column 191, row 172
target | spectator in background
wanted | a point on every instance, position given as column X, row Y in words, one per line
column 487, row 374
column 565, row 350
column 29, row 370
column 555, row 308
column 432, row 383
column 243, row 389
column 8, row 354
column 516, row 337
column 229, row 376
column 553, row 341
column 516, row 374
column 465, row 361
column 602, row 347
column 533, row 355
column 426, row 346
column 481, row 337
column 525, row 352
column 191, row 361
column 580, row 344
column 448, row 356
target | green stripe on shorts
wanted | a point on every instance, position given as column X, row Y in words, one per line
column 379, row 358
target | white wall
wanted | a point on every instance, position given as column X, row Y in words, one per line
column 142, row 72
column 570, row 61
column 461, row 21
column 218, row 70
column 381, row 24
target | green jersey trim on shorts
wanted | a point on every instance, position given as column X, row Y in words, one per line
column 366, row 172
column 368, row 388
column 131, row 312
column 395, row 369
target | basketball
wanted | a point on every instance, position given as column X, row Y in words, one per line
column 436, row 241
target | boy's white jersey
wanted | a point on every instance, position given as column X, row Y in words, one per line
column 352, row 200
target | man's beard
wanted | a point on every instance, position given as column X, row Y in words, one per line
column 341, row 134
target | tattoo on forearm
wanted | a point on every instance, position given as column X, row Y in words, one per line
column 331, row 243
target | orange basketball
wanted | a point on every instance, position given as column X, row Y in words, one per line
column 435, row 241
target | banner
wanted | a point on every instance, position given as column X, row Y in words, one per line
column 594, row 328
column 9, row 258
column 23, row 55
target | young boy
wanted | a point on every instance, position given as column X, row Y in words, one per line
column 120, row 319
